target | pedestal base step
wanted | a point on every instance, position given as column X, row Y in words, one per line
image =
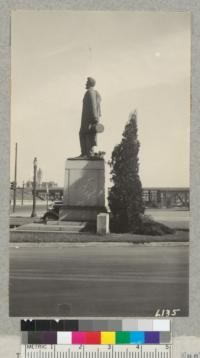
column 57, row 226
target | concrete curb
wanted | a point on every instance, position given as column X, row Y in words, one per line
column 18, row 245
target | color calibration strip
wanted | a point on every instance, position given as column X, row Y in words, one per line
column 128, row 338
column 99, row 338
column 145, row 325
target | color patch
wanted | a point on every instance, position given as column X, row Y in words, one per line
column 100, row 325
column 85, row 326
column 71, row 325
column 78, row 337
column 114, row 325
column 28, row 325
column 64, row 337
column 34, row 338
column 161, row 325
column 24, row 337
column 130, row 325
column 137, row 337
column 108, row 338
column 152, row 337
column 42, row 325
column 92, row 337
column 145, row 325
column 165, row 337
column 57, row 325
column 123, row 337
column 49, row 337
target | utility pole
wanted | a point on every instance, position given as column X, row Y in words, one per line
column 47, row 195
column 34, row 187
column 15, row 180
column 23, row 193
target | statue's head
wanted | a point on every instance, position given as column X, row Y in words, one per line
column 90, row 82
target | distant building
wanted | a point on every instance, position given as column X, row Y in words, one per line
column 29, row 184
column 49, row 184
column 39, row 176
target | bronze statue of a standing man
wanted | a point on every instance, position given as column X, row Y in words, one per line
column 91, row 113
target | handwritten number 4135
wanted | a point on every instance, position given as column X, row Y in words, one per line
column 167, row 312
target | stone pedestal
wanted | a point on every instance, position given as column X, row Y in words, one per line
column 84, row 190
column 103, row 224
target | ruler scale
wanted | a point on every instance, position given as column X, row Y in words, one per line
column 96, row 351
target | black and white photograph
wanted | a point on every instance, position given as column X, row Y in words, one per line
column 99, row 163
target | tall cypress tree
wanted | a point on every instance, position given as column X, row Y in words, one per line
column 125, row 197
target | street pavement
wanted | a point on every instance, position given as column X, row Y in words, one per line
column 25, row 210
column 97, row 279
column 174, row 217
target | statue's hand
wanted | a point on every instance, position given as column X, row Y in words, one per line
column 95, row 120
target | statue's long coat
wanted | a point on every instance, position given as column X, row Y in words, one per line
column 91, row 109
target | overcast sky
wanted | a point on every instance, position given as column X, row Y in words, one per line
column 140, row 60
